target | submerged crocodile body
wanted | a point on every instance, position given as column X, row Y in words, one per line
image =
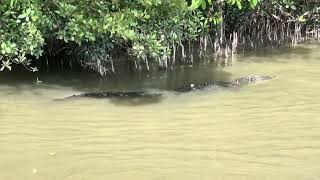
column 123, row 98
column 120, row 95
column 191, row 87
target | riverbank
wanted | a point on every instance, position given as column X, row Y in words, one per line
column 94, row 34
column 261, row 131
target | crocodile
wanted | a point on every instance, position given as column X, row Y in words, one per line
column 187, row 88
column 234, row 83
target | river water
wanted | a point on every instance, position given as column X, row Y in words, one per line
column 268, row 130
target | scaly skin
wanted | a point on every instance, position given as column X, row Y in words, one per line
column 251, row 79
column 235, row 83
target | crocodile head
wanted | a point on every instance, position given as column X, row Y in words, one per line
column 251, row 79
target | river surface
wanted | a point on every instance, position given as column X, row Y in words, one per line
column 268, row 130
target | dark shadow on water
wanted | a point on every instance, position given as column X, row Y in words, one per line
column 123, row 101
column 157, row 80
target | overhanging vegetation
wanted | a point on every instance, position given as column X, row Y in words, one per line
column 157, row 31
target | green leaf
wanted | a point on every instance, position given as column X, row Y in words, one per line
column 3, row 45
column 253, row 3
column 21, row 16
column 301, row 19
column 195, row 4
column 11, row 3
column 239, row 4
column 204, row 5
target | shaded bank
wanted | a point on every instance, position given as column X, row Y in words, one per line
column 265, row 131
column 93, row 34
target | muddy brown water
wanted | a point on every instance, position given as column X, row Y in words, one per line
column 269, row 130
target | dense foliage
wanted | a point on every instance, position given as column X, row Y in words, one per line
column 94, row 30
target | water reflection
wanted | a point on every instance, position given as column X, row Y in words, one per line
column 138, row 81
